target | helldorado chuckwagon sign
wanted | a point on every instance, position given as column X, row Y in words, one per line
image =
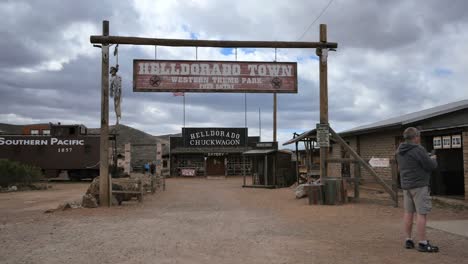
column 214, row 76
column 214, row 137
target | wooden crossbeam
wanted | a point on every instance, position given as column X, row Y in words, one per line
column 210, row 43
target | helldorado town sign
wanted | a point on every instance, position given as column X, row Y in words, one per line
column 214, row 76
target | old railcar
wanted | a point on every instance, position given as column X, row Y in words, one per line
column 67, row 148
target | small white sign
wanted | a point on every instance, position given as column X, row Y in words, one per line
column 187, row 172
column 437, row 142
column 379, row 162
column 456, row 141
column 323, row 135
column 446, row 142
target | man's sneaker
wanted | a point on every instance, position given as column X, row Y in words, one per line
column 409, row 244
column 427, row 247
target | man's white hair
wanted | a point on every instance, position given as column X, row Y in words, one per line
column 410, row 133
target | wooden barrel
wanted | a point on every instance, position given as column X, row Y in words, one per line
column 314, row 193
column 332, row 190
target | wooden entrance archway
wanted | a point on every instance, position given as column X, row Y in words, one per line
column 105, row 40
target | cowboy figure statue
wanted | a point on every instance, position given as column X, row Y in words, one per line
column 116, row 91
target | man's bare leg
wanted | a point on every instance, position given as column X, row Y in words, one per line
column 408, row 224
column 421, row 227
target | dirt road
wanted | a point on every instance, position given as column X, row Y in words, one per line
column 216, row 221
column 16, row 204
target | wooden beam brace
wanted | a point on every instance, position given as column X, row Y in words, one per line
column 210, row 43
column 342, row 160
column 351, row 151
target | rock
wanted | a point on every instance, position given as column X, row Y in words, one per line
column 64, row 206
column 93, row 188
column 115, row 201
column 89, row 201
column 119, row 184
column 300, row 191
column 13, row 188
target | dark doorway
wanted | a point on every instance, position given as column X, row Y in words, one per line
column 448, row 178
column 215, row 166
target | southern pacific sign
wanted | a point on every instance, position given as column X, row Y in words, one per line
column 214, row 137
column 214, row 76
column 52, row 153
column 39, row 141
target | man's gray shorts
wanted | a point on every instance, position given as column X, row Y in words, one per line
column 417, row 200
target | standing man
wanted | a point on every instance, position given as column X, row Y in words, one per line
column 152, row 168
column 416, row 166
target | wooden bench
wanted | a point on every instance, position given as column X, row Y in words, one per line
column 137, row 192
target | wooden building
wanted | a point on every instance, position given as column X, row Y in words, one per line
column 211, row 152
column 271, row 168
column 444, row 129
column 308, row 158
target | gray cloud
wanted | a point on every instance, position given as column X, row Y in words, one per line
column 389, row 52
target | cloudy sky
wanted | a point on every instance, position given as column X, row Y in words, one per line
column 394, row 57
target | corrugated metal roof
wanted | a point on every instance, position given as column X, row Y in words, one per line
column 307, row 134
column 411, row 117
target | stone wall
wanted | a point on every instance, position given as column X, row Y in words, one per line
column 378, row 145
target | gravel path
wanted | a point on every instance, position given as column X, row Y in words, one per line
column 216, row 221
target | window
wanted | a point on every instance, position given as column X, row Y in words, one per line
column 59, row 131
column 437, row 142
column 34, row 132
column 46, row 132
column 446, row 142
column 456, row 141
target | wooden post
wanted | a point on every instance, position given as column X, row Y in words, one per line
column 275, row 107
column 307, row 159
column 297, row 163
column 104, row 181
column 323, row 98
column 260, row 124
column 357, row 171
column 204, row 166
column 393, row 164
column 275, row 181
column 265, row 176
column 127, row 155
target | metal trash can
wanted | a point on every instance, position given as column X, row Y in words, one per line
column 332, row 190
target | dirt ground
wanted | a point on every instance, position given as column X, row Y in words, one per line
column 212, row 221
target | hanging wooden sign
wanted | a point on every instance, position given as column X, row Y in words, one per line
column 214, row 76
column 214, row 137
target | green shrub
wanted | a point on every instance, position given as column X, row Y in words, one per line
column 12, row 172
